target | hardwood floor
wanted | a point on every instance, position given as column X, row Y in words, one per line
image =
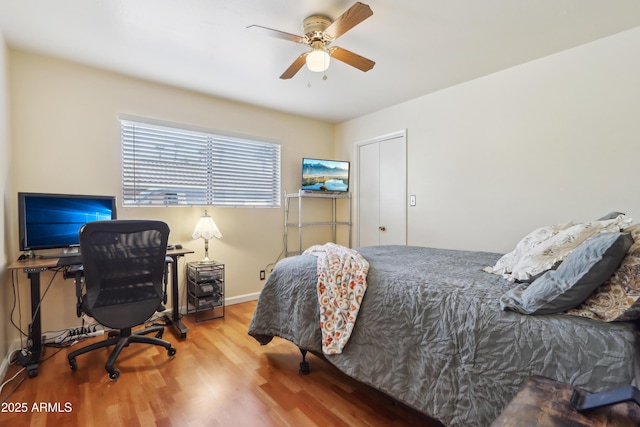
column 220, row 376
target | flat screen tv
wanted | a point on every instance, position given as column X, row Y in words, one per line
column 49, row 221
column 325, row 175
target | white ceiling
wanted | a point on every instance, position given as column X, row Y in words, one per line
column 419, row 46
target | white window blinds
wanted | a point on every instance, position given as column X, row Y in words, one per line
column 171, row 166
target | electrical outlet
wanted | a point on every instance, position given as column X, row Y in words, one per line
column 262, row 274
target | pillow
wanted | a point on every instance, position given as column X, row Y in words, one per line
column 611, row 215
column 619, row 298
column 584, row 270
column 554, row 250
column 506, row 263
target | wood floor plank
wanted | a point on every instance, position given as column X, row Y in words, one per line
column 220, row 376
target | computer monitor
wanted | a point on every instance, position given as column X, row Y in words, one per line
column 52, row 221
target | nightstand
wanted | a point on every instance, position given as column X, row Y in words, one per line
column 545, row 402
column 205, row 290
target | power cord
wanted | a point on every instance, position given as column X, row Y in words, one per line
column 17, row 302
column 22, row 379
column 16, row 386
column 269, row 267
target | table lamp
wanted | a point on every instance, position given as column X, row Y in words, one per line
column 206, row 228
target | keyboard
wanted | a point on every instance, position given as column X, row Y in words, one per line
column 59, row 255
column 70, row 260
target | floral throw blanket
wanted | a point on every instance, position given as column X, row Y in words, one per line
column 342, row 281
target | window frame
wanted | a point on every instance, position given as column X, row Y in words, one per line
column 168, row 164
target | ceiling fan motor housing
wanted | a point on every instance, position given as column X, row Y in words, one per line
column 313, row 28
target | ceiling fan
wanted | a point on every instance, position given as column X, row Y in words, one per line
column 319, row 31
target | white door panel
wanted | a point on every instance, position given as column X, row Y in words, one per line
column 382, row 193
column 369, row 194
column 393, row 193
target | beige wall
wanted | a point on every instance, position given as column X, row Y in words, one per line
column 5, row 197
column 545, row 142
column 66, row 139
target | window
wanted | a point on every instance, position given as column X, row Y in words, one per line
column 171, row 166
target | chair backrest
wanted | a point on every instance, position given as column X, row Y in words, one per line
column 123, row 263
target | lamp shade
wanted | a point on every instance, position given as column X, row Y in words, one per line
column 318, row 60
column 206, row 228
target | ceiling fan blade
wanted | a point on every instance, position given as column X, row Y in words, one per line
column 295, row 67
column 352, row 17
column 257, row 29
column 350, row 58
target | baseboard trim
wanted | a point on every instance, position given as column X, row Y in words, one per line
column 242, row 298
column 227, row 301
column 16, row 345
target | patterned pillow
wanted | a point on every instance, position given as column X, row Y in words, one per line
column 505, row 264
column 584, row 270
column 618, row 299
column 553, row 251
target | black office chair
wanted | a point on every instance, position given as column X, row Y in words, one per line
column 124, row 265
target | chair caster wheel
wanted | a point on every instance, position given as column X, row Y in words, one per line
column 171, row 351
column 73, row 364
column 114, row 375
column 159, row 334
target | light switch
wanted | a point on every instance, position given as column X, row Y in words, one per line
column 412, row 200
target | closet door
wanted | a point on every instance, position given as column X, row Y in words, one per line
column 382, row 194
column 369, row 195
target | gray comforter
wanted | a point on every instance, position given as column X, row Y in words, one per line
column 431, row 334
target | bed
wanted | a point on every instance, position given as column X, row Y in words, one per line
column 432, row 333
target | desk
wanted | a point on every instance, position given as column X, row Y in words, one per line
column 174, row 254
column 33, row 267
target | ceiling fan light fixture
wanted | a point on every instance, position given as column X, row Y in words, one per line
column 318, row 32
column 318, row 60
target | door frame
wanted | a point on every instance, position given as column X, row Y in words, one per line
column 356, row 200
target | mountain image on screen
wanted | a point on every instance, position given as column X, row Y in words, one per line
column 325, row 175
